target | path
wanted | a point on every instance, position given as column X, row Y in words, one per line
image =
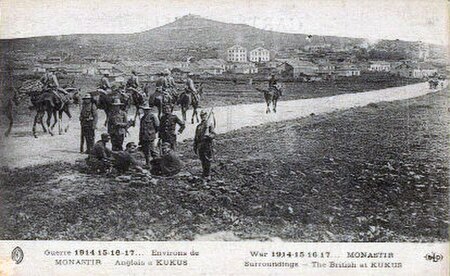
column 22, row 150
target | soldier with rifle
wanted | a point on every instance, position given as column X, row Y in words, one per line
column 88, row 121
column 147, row 133
column 117, row 125
column 203, row 142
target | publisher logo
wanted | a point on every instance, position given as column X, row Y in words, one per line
column 17, row 255
column 433, row 257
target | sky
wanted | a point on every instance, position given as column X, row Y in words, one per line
column 424, row 20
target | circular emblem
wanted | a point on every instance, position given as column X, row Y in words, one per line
column 17, row 255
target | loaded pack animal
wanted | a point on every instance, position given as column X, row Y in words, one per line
column 433, row 83
column 54, row 105
column 186, row 100
column 159, row 98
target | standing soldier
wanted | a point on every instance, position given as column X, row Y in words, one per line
column 105, row 85
column 117, row 125
column 147, row 134
column 88, row 121
column 167, row 132
column 203, row 143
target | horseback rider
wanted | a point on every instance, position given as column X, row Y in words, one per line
column 105, row 85
column 51, row 83
column 273, row 84
column 189, row 87
column 164, row 84
column 133, row 81
column 167, row 132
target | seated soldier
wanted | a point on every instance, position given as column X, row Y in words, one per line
column 99, row 159
column 168, row 164
column 125, row 160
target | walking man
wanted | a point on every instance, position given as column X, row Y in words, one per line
column 88, row 121
column 147, row 134
column 203, row 143
column 167, row 131
column 117, row 125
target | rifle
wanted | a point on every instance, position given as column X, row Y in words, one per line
column 208, row 122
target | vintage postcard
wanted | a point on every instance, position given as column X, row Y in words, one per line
column 224, row 137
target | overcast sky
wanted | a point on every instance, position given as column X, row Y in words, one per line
column 425, row 20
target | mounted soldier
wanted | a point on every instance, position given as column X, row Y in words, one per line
column 88, row 122
column 105, row 85
column 167, row 132
column 133, row 81
column 273, row 84
column 50, row 82
column 189, row 87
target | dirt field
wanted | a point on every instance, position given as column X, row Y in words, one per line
column 377, row 173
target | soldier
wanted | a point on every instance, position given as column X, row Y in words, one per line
column 105, row 85
column 168, row 164
column 99, row 157
column 273, row 84
column 190, row 87
column 169, row 122
column 50, row 82
column 88, row 121
column 147, row 133
column 125, row 160
column 133, row 81
column 117, row 125
column 203, row 143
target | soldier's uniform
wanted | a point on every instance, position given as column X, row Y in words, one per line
column 273, row 84
column 203, row 144
column 167, row 131
column 117, row 127
column 105, row 84
column 99, row 157
column 190, row 89
column 147, row 134
column 168, row 164
column 133, row 81
column 88, row 122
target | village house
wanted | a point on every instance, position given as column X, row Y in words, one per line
column 104, row 68
column 297, row 68
column 348, row 70
column 423, row 70
column 211, row 66
column 53, row 59
column 237, row 54
column 403, row 69
column 380, row 66
column 243, row 68
column 259, row 55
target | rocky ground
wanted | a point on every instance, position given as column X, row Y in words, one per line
column 377, row 173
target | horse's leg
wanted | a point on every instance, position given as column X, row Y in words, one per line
column 136, row 115
column 69, row 116
column 274, row 105
column 268, row 106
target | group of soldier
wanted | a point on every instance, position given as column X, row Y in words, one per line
column 161, row 159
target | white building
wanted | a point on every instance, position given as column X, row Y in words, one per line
column 259, row 55
column 380, row 66
column 237, row 54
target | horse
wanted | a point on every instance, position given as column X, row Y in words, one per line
column 138, row 99
column 271, row 96
column 55, row 106
column 185, row 100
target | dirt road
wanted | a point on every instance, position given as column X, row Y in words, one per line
column 22, row 150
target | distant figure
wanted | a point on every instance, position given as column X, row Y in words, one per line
column 99, row 157
column 124, row 160
column 203, row 144
column 190, row 87
column 88, row 122
column 273, row 84
column 105, row 85
column 168, row 164
column 117, row 125
column 167, row 130
column 133, row 81
column 147, row 133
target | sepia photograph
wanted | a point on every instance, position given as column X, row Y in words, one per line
column 231, row 121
